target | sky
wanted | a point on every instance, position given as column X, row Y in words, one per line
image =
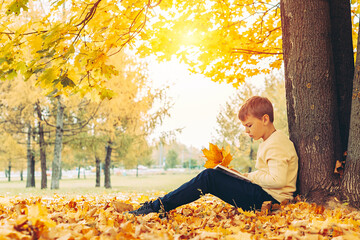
column 197, row 102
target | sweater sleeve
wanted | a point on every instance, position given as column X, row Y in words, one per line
column 275, row 174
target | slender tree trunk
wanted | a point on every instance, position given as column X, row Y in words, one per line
column 32, row 180
column 311, row 94
column 56, row 164
column 42, row 146
column 98, row 171
column 9, row 171
column 342, row 46
column 351, row 181
column 30, row 161
column 79, row 172
column 21, row 175
column 42, row 156
column 107, row 182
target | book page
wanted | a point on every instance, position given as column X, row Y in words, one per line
column 231, row 172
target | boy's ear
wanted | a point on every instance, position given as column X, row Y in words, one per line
column 266, row 118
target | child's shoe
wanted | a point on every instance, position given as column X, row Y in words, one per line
column 146, row 208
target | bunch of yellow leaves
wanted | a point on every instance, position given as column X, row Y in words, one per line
column 216, row 156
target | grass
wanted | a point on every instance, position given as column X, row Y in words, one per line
column 140, row 184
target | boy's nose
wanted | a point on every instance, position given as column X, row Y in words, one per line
column 247, row 130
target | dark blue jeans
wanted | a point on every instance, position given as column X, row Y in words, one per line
column 236, row 192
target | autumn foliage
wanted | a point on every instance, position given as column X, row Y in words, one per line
column 105, row 217
column 215, row 156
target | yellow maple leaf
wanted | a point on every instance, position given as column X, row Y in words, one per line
column 227, row 158
column 216, row 156
column 38, row 215
column 213, row 156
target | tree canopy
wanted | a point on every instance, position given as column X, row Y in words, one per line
column 66, row 45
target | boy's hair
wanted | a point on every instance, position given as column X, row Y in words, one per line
column 257, row 106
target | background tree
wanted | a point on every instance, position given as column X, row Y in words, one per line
column 18, row 119
column 185, row 153
column 56, row 163
column 130, row 116
column 86, row 149
column 12, row 154
column 139, row 153
column 69, row 119
column 30, row 177
column 42, row 144
column 171, row 159
column 191, row 164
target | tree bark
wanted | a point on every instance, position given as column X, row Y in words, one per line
column 42, row 146
column 79, row 172
column 42, row 156
column 56, row 164
column 30, row 178
column 98, row 171
column 351, row 182
column 107, row 182
column 343, row 56
column 9, row 171
column 311, row 94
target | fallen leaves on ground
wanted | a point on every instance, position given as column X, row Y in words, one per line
column 104, row 217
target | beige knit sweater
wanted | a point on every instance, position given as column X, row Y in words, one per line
column 277, row 166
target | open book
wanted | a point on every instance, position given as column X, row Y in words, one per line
column 231, row 172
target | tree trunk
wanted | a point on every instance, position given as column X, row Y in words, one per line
column 79, row 172
column 107, row 182
column 98, row 171
column 342, row 46
column 21, row 175
column 42, row 146
column 56, row 164
column 9, row 171
column 32, row 180
column 351, row 181
column 30, row 161
column 311, row 94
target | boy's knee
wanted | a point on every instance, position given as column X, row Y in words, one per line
column 208, row 172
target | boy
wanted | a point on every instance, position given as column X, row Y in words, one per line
column 274, row 180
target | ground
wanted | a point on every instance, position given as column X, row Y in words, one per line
column 102, row 215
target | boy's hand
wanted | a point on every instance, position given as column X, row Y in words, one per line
column 245, row 174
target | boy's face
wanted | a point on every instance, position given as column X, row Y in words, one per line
column 255, row 127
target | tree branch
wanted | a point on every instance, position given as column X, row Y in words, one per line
column 253, row 52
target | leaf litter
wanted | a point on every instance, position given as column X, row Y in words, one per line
column 105, row 217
